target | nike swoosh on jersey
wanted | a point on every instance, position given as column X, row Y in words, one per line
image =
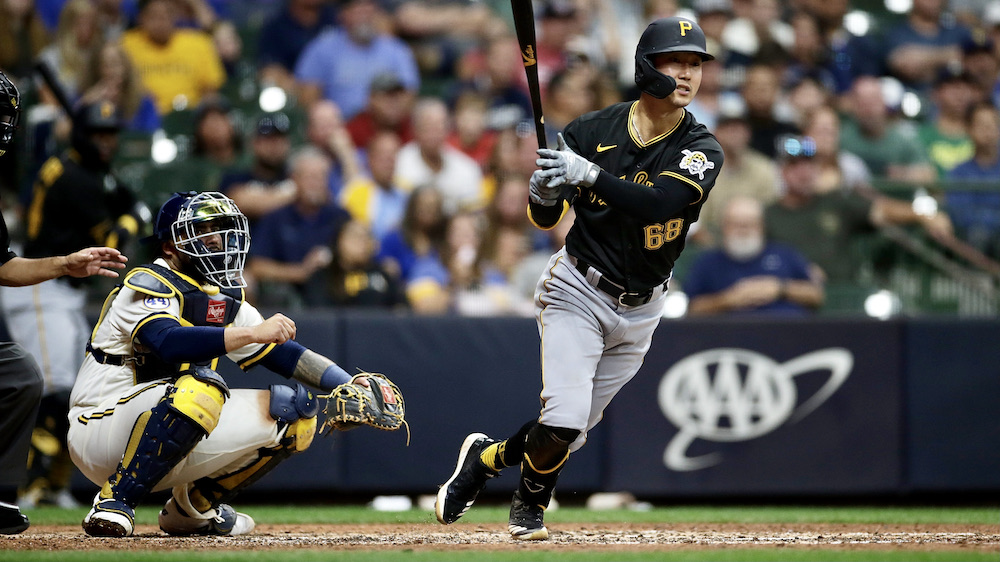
column 603, row 148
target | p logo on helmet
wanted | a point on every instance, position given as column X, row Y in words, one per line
column 666, row 35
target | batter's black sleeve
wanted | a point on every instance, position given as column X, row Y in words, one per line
column 667, row 197
column 546, row 217
column 5, row 254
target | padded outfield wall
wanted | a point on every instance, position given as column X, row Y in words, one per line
column 720, row 409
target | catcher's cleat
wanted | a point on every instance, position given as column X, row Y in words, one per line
column 12, row 521
column 526, row 521
column 227, row 521
column 109, row 518
column 458, row 494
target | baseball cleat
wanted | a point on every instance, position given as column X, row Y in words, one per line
column 227, row 521
column 12, row 521
column 458, row 494
column 109, row 518
column 526, row 521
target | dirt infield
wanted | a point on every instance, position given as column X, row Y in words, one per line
column 493, row 537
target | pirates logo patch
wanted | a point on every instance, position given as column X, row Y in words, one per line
column 696, row 163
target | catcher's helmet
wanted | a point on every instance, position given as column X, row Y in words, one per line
column 192, row 221
column 666, row 35
column 10, row 111
column 167, row 214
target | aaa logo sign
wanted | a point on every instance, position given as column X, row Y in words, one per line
column 729, row 394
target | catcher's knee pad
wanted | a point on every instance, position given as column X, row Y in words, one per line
column 296, row 407
column 200, row 395
column 292, row 404
column 546, row 448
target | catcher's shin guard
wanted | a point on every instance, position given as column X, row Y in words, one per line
column 166, row 434
column 545, row 452
column 296, row 409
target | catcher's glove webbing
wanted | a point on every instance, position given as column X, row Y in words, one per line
column 351, row 405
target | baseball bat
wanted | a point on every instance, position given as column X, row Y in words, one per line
column 524, row 26
column 50, row 79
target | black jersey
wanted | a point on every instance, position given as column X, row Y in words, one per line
column 638, row 253
column 73, row 207
column 5, row 254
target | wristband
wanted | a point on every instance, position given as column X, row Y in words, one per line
column 333, row 377
column 591, row 176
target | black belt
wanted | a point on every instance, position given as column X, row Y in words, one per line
column 616, row 291
column 107, row 359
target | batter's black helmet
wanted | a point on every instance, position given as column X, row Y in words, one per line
column 666, row 35
column 89, row 119
column 100, row 116
column 10, row 112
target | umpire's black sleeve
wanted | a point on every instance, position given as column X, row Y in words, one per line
column 666, row 198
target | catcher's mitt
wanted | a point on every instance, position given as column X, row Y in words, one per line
column 351, row 405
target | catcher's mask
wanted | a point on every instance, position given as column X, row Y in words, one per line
column 666, row 35
column 10, row 111
column 211, row 230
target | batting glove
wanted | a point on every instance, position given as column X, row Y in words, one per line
column 540, row 192
column 569, row 167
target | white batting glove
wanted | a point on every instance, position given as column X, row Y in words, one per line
column 570, row 167
column 539, row 190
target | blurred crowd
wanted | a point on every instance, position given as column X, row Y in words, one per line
column 381, row 148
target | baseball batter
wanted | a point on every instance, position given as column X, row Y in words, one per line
column 636, row 173
column 20, row 378
column 149, row 412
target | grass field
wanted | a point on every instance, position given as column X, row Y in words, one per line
column 756, row 533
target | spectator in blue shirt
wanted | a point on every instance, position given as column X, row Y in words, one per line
column 420, row 234
column 291, row 244
column 923, row 45
column 983, row 124
column 972, row 199
column 341, row 63
column 286, row 34
column 748, row 274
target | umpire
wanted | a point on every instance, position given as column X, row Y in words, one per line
column 20, row 377
column 637, row 174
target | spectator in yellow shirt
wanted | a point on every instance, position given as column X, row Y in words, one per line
column 178, row 66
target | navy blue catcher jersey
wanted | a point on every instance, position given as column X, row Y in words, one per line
column 636, row 254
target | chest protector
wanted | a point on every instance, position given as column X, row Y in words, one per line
column 198, row 308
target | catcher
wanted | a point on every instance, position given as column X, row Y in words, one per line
column 149, row 412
